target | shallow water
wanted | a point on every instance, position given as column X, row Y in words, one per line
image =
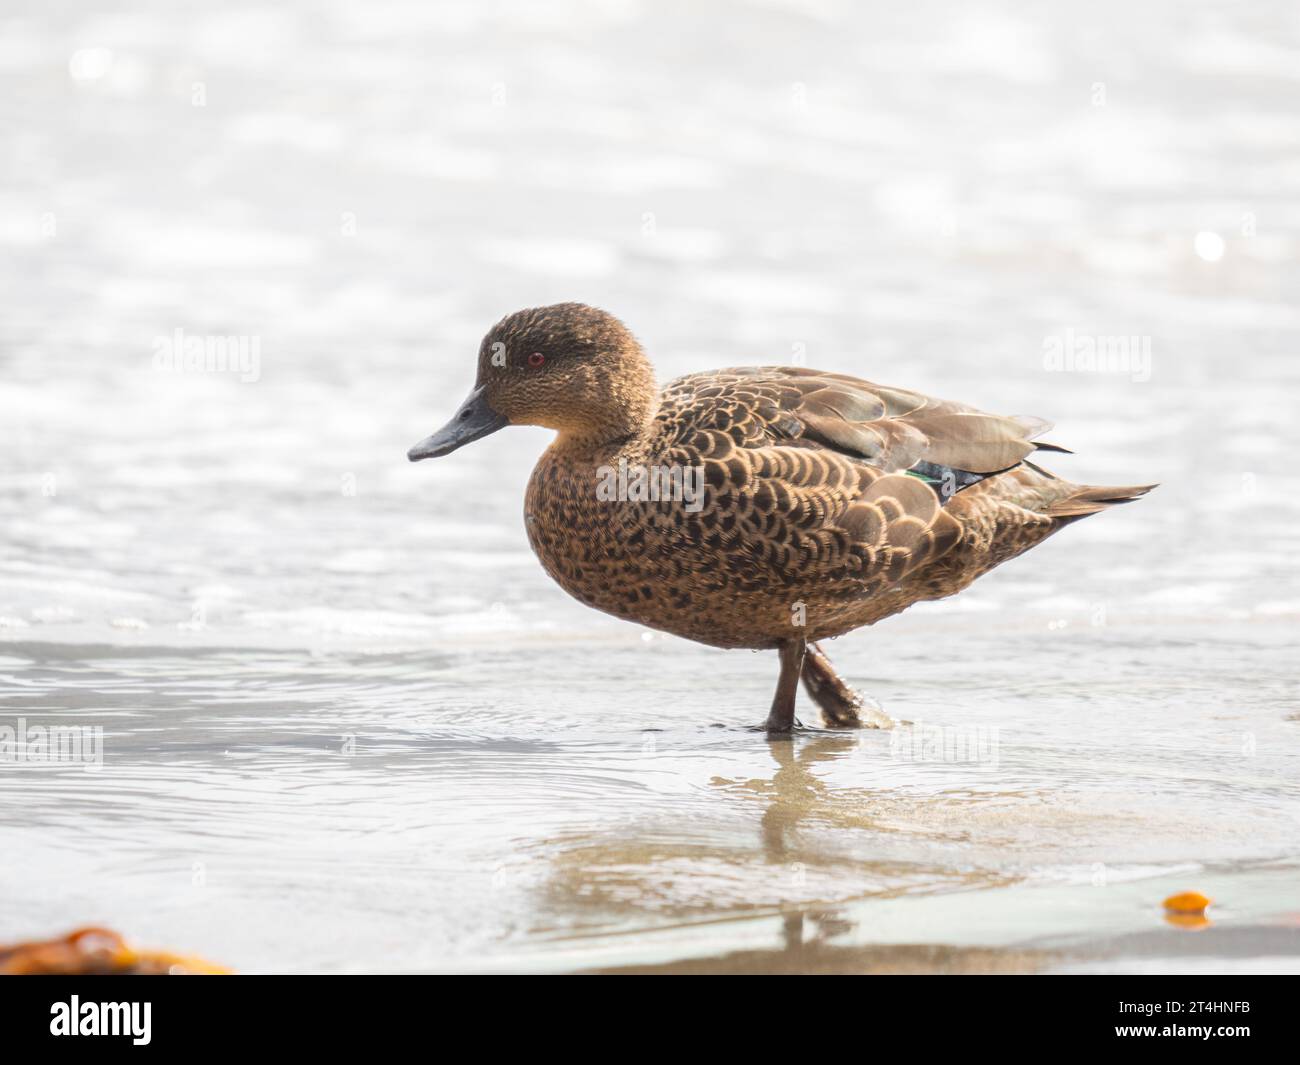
column 348, row 723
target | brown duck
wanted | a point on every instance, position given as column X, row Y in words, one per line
column 761, row 507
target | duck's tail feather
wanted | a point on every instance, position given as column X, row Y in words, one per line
column 1036, row 427
column 1089, row 499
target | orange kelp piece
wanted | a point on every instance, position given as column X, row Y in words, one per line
column 1188, row 902
column 89, row 951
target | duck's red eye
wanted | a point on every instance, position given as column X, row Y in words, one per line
column 536, row 359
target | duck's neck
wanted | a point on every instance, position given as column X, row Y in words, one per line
column 622, row 424
column 604, row 443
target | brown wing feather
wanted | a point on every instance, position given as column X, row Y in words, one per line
column 890, row 428
column 811, row 465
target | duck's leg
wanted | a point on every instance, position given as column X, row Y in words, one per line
column 781, row 717
column 840, row 703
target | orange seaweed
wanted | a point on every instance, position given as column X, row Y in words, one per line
column 96, row 950
column 1188, row 902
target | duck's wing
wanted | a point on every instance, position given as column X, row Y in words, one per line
column 891, row 429
column 829, row 476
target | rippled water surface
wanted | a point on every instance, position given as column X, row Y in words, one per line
column 348, row 723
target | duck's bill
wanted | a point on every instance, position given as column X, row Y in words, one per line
column 473, row 421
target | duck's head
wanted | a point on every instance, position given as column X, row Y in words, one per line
column 567, row 367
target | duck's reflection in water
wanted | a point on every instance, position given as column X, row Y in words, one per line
column 815, row 852
column 795, row 793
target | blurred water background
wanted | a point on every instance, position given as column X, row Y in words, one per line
column 348, row 723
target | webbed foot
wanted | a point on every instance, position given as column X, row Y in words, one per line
column 841, row 706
